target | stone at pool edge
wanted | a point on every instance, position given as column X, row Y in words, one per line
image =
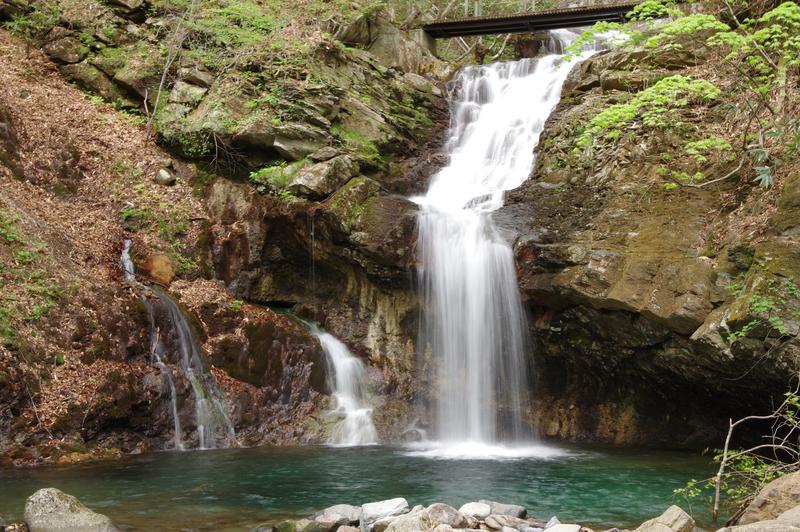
column 443, row 514
column 573, row 528
column 52, row 510
column 674, row 519
column 338, row 515
column 478, row 510
column 373, row 511
column 514, row 510
column 500, row 521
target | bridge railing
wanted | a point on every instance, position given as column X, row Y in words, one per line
column 497, row 8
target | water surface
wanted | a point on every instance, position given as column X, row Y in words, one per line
column 234, row 489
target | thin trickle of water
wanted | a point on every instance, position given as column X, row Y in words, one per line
column 128, row 269
column 347, row 378
column 214, row 427
column 313, row 262
column 474, row 324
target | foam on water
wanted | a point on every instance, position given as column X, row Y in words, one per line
column 469, row 450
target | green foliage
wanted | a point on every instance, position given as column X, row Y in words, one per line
column 654, row 106
column 37, row 22
column 25, row 257
column 700, row 150
column 135, row 218
column 223, row 30
column 690, row 25
column 277, row 176
column 236, row 305
column 653, row 9
column 764, row 175
column 8, row 230
column 766, row 46
column 745, row 472
column 744, row 475
column 771, row 305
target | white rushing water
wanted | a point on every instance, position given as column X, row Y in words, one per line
column 474, row 325
column 347, row 377
column 214, row 427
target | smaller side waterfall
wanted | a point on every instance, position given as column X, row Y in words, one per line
column 214, row 427
column 348, row 382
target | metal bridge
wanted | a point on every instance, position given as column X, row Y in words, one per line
column 550, row 19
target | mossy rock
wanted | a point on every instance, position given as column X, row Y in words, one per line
column 94, row 81
column 349, row 201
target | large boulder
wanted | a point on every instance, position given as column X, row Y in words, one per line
column 52, row 510
column 777, row 497
column 673, row 520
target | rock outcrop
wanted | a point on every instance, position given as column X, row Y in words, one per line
column 644, row 300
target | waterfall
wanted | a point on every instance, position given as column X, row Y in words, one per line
column 347, row 378
column 474, row 325
column 214, row 427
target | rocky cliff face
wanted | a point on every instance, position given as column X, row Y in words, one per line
column 655, row 313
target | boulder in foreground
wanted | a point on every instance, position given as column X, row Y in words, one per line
column 673, row 520
column 52, row 510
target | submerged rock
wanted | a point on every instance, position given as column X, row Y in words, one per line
column 52, row 510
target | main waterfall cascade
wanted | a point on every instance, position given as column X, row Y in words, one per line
column 347, row 378
column 214, row 426
column 474, row 326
